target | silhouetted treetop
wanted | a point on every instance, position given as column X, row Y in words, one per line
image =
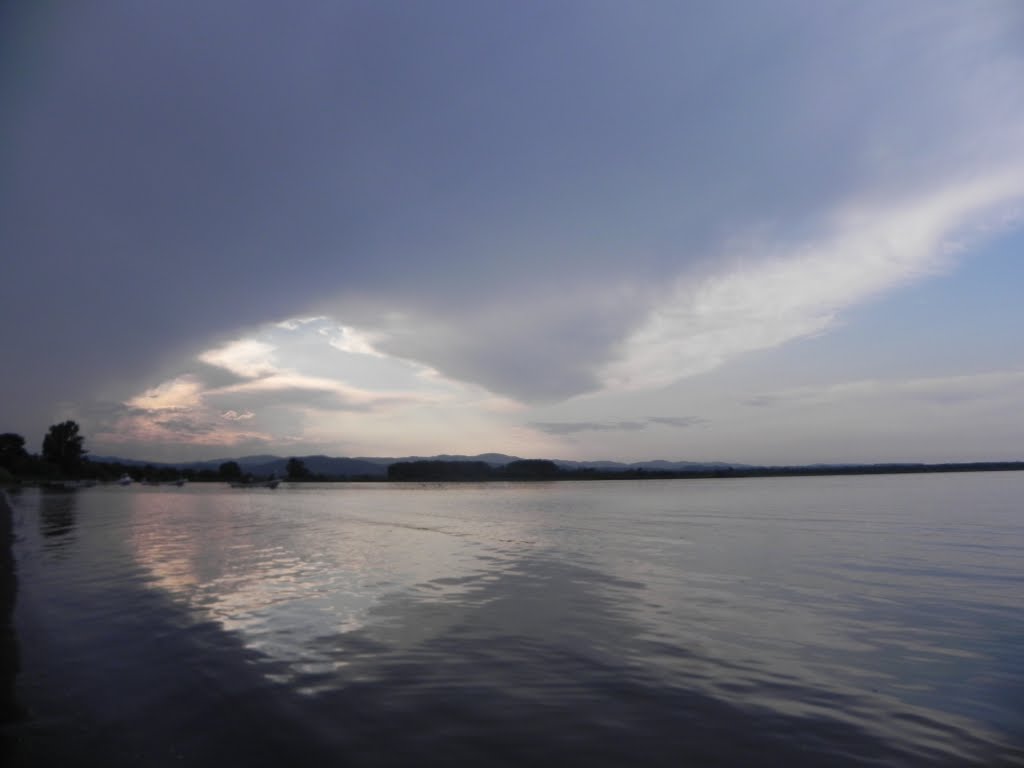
column 230, row 470
column 296, row 469
column 12, row 450
column 62, row 446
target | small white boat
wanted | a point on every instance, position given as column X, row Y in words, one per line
column 124, row 479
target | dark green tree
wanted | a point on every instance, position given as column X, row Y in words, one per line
column 230, row 470
column 532, row 469
column 297, row 469
column 436, row 471
column 62, row 447
column 12, row 451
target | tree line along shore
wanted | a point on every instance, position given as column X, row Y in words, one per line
column 64, row 458
column 539, row 469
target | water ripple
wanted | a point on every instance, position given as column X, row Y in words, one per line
column 798, row 621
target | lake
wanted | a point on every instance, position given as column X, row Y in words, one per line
column 839, row 621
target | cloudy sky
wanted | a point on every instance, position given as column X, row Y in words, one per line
column 777, row 232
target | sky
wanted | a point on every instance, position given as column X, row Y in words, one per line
column 776, row 233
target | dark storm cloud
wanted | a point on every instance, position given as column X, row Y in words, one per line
column 176, row 172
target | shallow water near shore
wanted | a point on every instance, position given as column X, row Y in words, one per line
column 773, row 621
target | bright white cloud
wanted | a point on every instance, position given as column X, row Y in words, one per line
column 248, row 358
column 294, row 323
column 771, row 294
column 180, row 393
column 236, row 416
column 316, row 392
column 348, row 339
column 194, row 427
column 278, row 398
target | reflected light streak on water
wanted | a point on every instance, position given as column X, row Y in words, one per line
column 857, row 620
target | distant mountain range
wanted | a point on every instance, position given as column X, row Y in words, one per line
column 377, row 466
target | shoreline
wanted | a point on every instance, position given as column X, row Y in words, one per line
column 484, row 468
column 10, row 711
column 461, row 471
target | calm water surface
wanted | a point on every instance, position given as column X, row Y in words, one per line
column 873, row 620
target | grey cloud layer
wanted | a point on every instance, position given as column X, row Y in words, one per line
column 573, row 427
column 518, row 181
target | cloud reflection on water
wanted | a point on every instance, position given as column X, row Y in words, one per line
column 529, row 600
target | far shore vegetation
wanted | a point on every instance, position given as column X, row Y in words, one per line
column 64, row 462
column 538, row 469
